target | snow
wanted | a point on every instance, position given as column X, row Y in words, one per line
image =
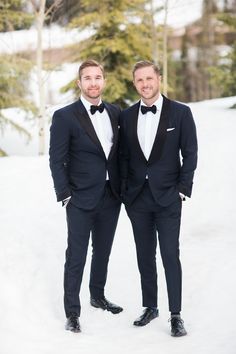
column 33, row 242
column 180, row 12
column 54, row 36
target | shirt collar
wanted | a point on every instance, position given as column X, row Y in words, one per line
column 88, row 104
column 157, row 103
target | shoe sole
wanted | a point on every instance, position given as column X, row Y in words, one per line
column 74, row 330
column 105, row 309
column 179, row 335
column 141, row 325
column 144, row 324
column 115, row 312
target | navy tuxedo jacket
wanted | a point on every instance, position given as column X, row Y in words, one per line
column 77, row 160
column 173, row 159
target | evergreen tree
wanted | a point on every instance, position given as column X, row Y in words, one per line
column 13, row 68
column 224, row 75
column 121, row 36
column 13, row 16
column 13, row 90
column 13, row 84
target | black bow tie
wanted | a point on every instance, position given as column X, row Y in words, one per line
column 99, row 108
column 145, row 109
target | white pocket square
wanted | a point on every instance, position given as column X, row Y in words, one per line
column 169, row 129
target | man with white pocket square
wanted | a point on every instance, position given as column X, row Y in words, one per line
column 158, row 154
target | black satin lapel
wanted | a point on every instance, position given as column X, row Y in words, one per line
column 161, row 135
column 114, row 125
column 134, row 137
column 86, row 123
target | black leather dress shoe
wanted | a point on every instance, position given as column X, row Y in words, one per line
column 72, row 323
column 177, row 327
column 148, row 315
column 104, row 304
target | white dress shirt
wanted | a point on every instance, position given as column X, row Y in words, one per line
column 102, row 125
column 147, row 127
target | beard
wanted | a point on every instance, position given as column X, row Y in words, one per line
column 92, row 93
column 149, row 94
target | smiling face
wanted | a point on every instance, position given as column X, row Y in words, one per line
column 147, row 83
column 91, row 83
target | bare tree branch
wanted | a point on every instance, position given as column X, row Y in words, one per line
column 55, row 4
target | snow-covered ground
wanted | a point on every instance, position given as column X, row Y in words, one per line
column 33, row 241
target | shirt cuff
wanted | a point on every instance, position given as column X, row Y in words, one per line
column 182, row 196
column 65, row 201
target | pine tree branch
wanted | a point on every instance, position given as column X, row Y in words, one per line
column 4, row 121
column 2, row 153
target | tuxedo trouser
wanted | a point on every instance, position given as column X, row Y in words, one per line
column 147, row 219
column 101, row 222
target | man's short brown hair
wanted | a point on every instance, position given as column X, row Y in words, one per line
column 88, row 63
column 144, row 64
